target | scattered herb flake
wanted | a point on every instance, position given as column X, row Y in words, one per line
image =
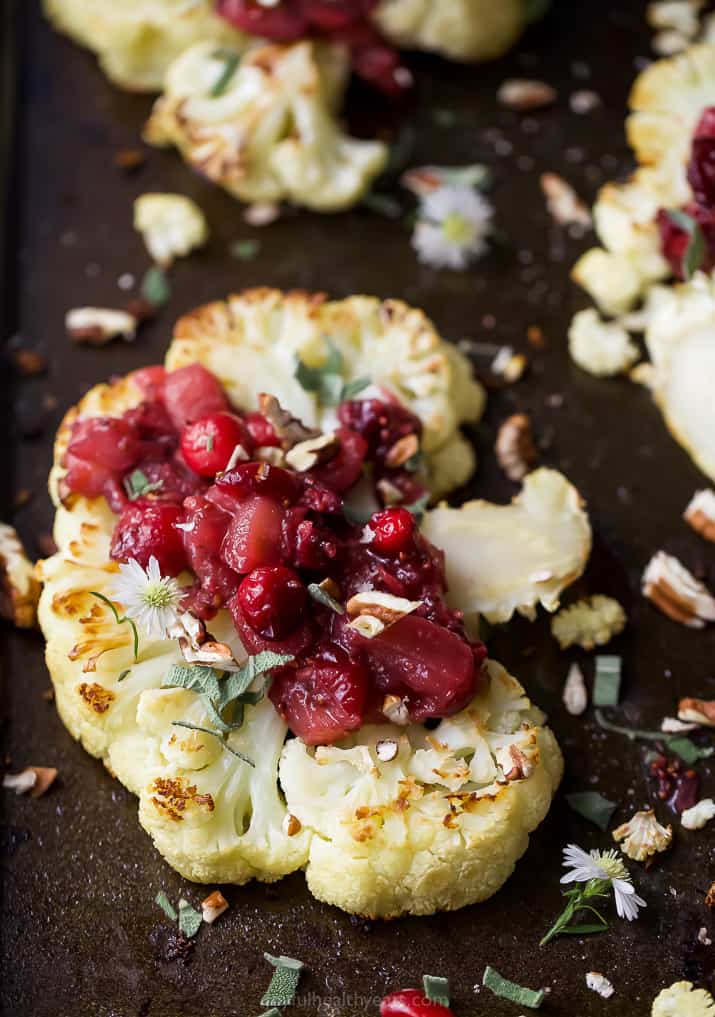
column 325, row 381
column 419, row 507
column 124, row 674
column 415, row 462
column 607, row 683
column 592, row 806
column 273, row 1012
column 166, row 906
column 137, row 484
column 231, row 61
column 352, row 388
column 120, row 621
column 686, row 748
column 282, row 989
column 510, row 990
column 155, row 286
column 190, row 919
column 444, row 117
column 323, row 597
column 436, row 989
column 682, row 746
column 695, row 252
column 383, row 204
column 244, row 250
column 209, row 442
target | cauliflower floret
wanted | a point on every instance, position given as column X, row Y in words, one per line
column 591, row 622
column 643, row 836
column 19, row 589
column 460, row 29
column 136, row 40
column 667, row 101
column 682, row 1000
column 506, row 558
column 699, row 815
column 270, row 133
column 600, row 347
column 390, row 836
column 393, row 345
column 172, row 225
column 680, row 337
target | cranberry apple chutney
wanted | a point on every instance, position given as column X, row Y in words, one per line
column 256, row 506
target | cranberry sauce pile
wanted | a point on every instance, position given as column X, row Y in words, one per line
column 675, row 239
column 257, row 535
column 344, row 21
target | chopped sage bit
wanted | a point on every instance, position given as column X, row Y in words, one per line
column 400, row 153
column 119, row 621
column 607, row 683
column 352, row 388
column 325, row 381
column 244, row 250
column 682, row 746
column 695, row 251
column 190, row 919
column 445, row 117
column 273, row 1012
column 231, row 61
column 282, row 989
column 415, row 462
column 324, row 598
column 436, row 989
column 137, row 484
column 124, row 674
column 155, row 286
column 355, row 516
column 383, row 204
column 209, row 442
column 226, row 698
column 419, row 507
column 502, row 987
column 592, row 806
column 166, row 906
column 214, row 734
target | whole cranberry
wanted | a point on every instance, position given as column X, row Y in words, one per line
column 207, row 444
column 393, row 530
column 273, row 601
column 412, row 1003
column 261, row 431
column 701, row 168
column 147, row 528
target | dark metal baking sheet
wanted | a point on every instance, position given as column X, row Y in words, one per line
column 80, row 933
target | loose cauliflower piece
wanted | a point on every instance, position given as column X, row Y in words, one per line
column 459, row 29
column 680, row 337
column 172, row 225
column 603, row 348
column 667, row 101
column 507, row 558
column 392, row 344
column 438, row 826
column 643, row 836
column 137, row 40
column 591, row 622
column 683, row 1000
column 19, row 589
column 271, row 133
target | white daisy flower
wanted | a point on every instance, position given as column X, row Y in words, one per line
column 452, row 226
column 608, row 867
column 151, row 599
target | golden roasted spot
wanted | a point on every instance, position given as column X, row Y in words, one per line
column 96, row 696
column 173, row 795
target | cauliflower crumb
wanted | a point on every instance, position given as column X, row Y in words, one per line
column 172, row 225
column 600, row 347
column 699, row 815
column 682, row 1000
column 590, row 622
column 600, row 984
column 575, row 696
column 643, row 836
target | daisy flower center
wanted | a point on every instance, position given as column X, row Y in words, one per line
column 161, row 594
column 612, row 866
column 457, row 229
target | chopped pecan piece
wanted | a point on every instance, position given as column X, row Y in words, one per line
column 524, row 94
column 289, row 430
column 676, row 591
column 697, row 711
column 515, row 449
column 700, row 513
column 563, row 203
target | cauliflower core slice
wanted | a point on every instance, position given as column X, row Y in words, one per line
column 270, row 134
column 460, row 29
column 392, row 344
column 680, row 337
column 439, row 825
column 682, row 999
column 136, row 40
column 507, row 558
column 667, row 101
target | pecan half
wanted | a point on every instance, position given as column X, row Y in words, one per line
column 700, row 513
column 676, row 592
column 97, row 325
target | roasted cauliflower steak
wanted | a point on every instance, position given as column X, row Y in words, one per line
column 270, row 133
column 136, row 40
column 394, row 819
column 666, row 102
